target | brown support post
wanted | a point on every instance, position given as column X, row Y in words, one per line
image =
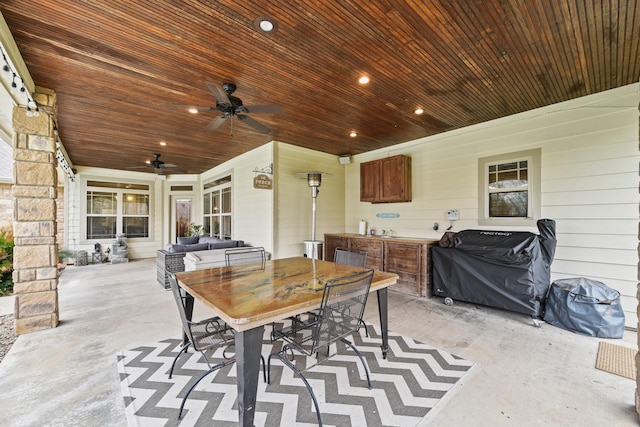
column 35, row 255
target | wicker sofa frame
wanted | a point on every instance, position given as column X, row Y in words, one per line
column 168, row 261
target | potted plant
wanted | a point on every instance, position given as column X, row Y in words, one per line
column 6, row 261
column 64, row 255
column 194, row 230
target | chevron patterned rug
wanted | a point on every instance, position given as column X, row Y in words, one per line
column 406, row 387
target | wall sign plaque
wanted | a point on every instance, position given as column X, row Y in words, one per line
column 387, row 215
column 262, row 182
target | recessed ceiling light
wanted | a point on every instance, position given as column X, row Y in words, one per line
column 163, row 143
column 353, row 134
column 419, row 111
column 193, row 110
column 265, row 24
column 363, row 80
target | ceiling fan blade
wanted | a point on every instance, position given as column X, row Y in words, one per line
column 267, row 109
column 254, row 123
column 215, row 123
column 138, row 167
column 219, row 93
column 173, row 168
column 176, row 169
column 187, row 106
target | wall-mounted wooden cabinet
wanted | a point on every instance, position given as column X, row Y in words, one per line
column 407, row 257
column 386, row 180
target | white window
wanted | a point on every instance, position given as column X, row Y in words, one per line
column 113, row 208
column 101, row 215
column 509, row 189
column 216, row 206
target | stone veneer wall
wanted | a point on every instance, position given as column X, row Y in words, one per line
column 35, row 254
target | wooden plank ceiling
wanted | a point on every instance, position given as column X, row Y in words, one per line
column 119, row 67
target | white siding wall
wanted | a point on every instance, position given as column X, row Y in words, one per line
column 589, row 183
column 75, row 203
column 294, row 201
column 252, row 208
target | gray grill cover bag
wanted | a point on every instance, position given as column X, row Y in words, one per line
column 585, row 306
column 503, row 269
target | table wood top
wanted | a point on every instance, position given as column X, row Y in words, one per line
column 247, row 296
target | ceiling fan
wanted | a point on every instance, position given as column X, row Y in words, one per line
column 230, row 106
column 159, row 166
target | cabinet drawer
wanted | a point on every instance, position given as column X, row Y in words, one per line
column 372, row 247
column 402, row 257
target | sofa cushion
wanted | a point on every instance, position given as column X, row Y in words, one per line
column 188, row 240
column 209, row 239
column 222, row 244
column 207, row 259
column 174, row 247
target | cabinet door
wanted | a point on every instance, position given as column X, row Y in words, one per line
column 331, row 242
column 404, row 259
column 369, row 181
column 373, row 248
column 395, row 182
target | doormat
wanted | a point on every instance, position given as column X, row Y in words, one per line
column 616, row 359
column 406, row 387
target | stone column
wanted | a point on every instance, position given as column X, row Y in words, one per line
column 35, row 255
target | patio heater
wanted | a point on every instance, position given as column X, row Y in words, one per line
column 313, row 247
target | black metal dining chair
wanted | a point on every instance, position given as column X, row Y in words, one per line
column 355, row 259
column 208, row 334
column 247, row 255
column 347, row 257
column 339, row 316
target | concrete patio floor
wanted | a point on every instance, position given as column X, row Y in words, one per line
column 525, row 376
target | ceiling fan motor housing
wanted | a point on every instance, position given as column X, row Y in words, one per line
column 229, row 88
column 231, row 106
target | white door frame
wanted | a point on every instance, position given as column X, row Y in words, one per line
column 174, row 198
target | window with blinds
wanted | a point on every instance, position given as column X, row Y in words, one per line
column 509, row 188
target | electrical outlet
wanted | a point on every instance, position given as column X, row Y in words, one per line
column 453, row 215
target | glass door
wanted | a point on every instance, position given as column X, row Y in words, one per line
column 181, row 214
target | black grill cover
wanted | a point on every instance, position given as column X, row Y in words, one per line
column 585, row 306
column 503, row 269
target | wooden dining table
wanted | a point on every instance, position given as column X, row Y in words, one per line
column 248, row 297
